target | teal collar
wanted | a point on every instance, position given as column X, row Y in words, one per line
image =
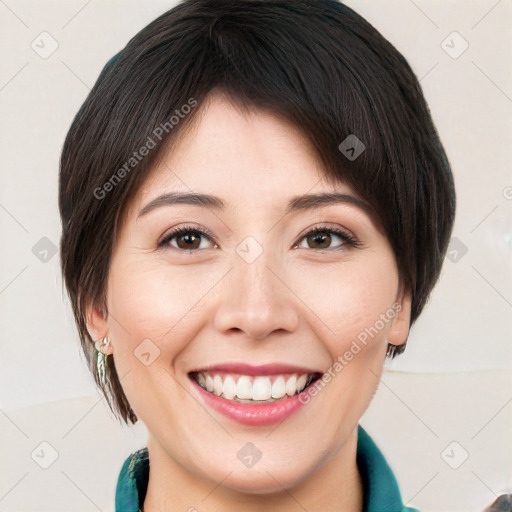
column 381, row 492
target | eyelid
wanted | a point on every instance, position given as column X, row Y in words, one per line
column 327, row 227
column 172, row 232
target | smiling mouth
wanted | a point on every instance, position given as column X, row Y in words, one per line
column 254, row 388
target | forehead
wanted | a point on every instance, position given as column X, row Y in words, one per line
column 243, row 155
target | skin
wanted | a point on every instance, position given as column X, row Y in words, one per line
column 301, row 302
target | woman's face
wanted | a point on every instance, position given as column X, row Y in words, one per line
column 247, row 299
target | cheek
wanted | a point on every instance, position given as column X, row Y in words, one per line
column 346, row 303
column 154, row 312
column 149, row 300
column 349, row 299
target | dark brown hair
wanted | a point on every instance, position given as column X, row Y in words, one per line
column 317, row 64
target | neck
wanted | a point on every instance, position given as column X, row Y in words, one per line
column 333, row 486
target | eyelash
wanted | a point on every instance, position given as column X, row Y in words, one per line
column 348, row 240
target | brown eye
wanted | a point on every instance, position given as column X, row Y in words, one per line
column 319, row 240
column 323, row 238
column 186, row 239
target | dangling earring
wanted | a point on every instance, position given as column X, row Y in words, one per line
column 101, row 359
column 395, row 350
column 391, row 350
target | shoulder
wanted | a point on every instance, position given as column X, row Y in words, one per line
column 381, row 490
column 133, row 481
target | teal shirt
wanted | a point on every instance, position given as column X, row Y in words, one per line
column 381, row 492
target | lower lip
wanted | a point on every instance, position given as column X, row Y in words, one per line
column 251, row 414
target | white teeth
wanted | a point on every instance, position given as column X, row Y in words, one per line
column 229, row 388
column 278, row 388
column 249, row 389
column 208, row 382
column 301, row 382
column 217, row 385
column 291, row 385
column 261, row 388
column 244, row 388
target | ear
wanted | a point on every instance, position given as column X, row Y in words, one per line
column 97, row 325
column 399, row 330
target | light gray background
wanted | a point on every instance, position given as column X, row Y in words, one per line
column 453, row 384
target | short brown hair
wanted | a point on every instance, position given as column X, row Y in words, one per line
column 316, row 63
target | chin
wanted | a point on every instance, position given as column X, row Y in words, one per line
column 263, row 482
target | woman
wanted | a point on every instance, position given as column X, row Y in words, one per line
column 255, row 208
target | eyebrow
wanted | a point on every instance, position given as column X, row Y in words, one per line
column 297, row 203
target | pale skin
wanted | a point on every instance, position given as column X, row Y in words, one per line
column 302, row 301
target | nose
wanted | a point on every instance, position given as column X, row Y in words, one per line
column 256, row 299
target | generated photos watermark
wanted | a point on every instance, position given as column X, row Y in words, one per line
column 343, row 360
column 156, row 136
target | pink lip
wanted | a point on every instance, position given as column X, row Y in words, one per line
column 250, row 414
column 263, row 369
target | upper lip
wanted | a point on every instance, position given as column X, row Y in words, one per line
column 248, row 369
